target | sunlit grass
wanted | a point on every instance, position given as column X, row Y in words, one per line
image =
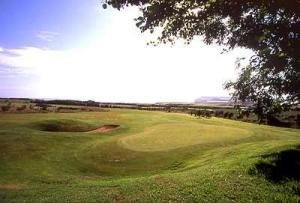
column 152, row 156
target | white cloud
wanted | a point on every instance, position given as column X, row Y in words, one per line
column 1, row 49
column 118, row 66
column 27, row 59
column 46, row 35
column 138, row 74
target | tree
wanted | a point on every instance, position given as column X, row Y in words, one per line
column 270, row 28
column 253, row 86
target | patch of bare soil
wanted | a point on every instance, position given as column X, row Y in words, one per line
column 11, row 186
column 106, row 128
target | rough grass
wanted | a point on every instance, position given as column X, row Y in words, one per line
column 151, row 157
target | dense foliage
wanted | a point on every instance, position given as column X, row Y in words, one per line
column 270, row 28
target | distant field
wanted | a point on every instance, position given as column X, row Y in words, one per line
column 148, row 157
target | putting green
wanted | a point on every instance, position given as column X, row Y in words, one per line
column 171, row 136
column 152, row 157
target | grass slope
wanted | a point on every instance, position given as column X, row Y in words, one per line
column 151, row 157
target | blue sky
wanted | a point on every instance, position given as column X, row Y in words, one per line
column 73, row 49
column 65, row 20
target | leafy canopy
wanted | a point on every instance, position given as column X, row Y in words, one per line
column 270, row 28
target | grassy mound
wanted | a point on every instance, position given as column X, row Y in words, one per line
column 151, row 157
column 64, row 125
column 171, row 136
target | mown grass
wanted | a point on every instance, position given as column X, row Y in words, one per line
column 171, row 136
column 151, row 157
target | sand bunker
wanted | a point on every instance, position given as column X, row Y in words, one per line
column 106, row 128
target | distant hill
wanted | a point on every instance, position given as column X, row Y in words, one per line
column 210, row 99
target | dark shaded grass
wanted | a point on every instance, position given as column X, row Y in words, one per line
column 279, row 167
column 64, row 125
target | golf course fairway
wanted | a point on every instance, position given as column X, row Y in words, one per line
column 142, row 156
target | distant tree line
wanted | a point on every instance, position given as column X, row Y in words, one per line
column 238, row 112
column 66, row 102
column 248, row 114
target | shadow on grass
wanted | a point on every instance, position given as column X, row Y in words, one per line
column 279, row 167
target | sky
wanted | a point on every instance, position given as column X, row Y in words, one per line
column 74, row 49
